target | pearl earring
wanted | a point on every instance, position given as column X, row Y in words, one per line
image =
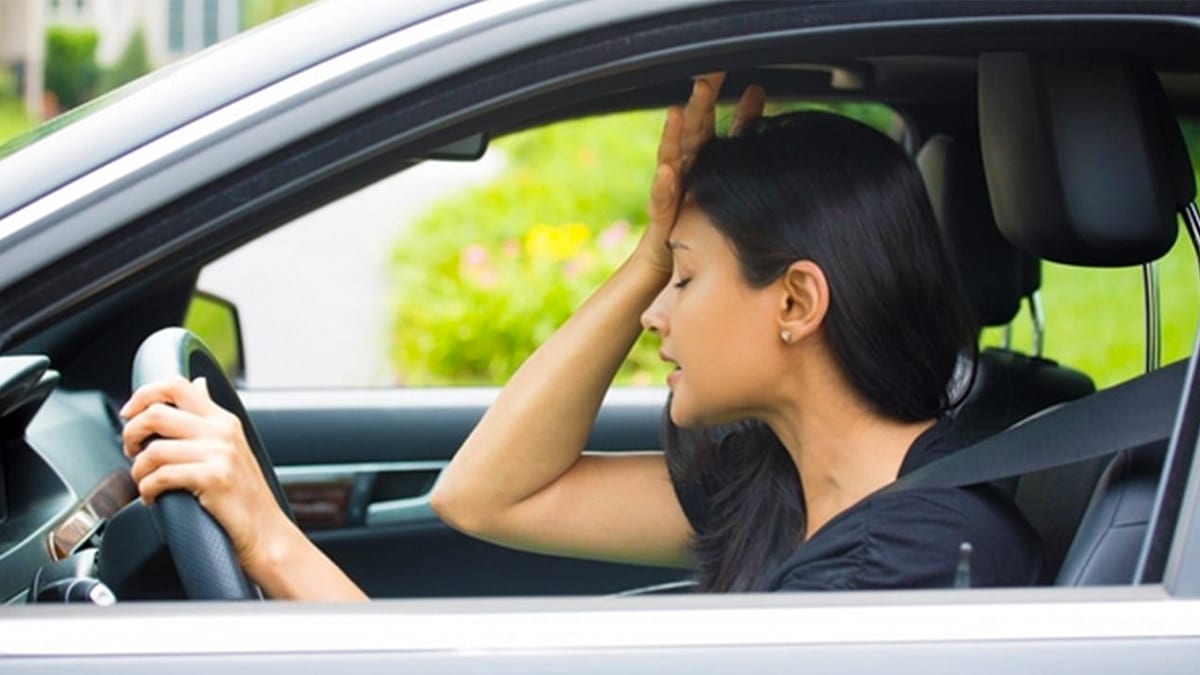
column 786, row 336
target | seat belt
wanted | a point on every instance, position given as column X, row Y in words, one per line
column 1130, row 415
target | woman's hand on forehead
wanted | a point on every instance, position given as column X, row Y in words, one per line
column 687, row 129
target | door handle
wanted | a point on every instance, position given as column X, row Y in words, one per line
column 354, row 495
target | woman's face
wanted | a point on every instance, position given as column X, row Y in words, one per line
column 722, row 335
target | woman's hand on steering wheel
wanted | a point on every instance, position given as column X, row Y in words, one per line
column 180, row 439
column 687, row 129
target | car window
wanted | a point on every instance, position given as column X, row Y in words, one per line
column 452, row 273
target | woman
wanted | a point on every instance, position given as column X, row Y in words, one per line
column 797, row 281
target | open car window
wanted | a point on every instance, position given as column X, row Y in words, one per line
column 451, row 273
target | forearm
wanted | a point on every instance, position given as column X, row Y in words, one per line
column 292, row 568
column 538, row 426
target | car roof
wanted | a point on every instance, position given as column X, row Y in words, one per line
column 169, row 98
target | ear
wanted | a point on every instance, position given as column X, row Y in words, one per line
column 803, row 300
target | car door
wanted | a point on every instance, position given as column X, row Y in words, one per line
column 358, row 467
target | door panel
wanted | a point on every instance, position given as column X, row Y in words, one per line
column 358, row 466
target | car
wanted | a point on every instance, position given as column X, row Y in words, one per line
column 107, row 221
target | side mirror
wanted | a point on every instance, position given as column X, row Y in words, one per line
column 466, row 149
column 215, row 321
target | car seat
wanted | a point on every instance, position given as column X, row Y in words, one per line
column 1006, row 386
column 1086, row 166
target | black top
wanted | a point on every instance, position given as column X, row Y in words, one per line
column 909, row 538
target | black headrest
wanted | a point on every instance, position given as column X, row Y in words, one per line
column 1031, row 274
column 994, row 271
column 1085, row 163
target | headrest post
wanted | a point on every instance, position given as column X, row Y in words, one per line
column 1039, row 322
column 1191, row 217
column 1153, row 319
column 1006, row 338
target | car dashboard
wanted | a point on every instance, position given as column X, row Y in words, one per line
column 63, row 477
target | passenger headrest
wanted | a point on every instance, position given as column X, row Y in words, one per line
column 993, row 270
column 1085, row 163
column 1031, row 274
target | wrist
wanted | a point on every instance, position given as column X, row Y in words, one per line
column 652, row 258
column 274, row 550
column 287, row 566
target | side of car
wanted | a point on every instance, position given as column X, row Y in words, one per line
column 163, row 247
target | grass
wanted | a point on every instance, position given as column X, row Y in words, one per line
column 1095, row 317
column 13, row 120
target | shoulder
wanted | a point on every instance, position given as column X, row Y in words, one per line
column 911, row 539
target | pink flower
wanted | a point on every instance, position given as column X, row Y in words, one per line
column 614, row 235
column 473, row 265
column 474, row 255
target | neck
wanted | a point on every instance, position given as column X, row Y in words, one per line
column 843, row 451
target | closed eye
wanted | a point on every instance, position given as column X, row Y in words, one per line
column 682, row 282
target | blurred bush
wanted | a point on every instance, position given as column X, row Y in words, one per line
column 487, row 276
column 133, row 63
column 72, row 73
column 13, row 121
column 260, row 11
column 8, row 84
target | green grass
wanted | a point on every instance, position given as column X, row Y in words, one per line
column 13, row 120
column 1095, row 317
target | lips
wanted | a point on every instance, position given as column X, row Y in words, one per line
column 673, row 377
column 674, row 374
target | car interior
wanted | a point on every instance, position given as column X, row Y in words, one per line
column 1033, row 148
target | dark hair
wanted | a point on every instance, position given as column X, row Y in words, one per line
column 820, row 187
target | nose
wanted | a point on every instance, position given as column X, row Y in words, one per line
column 654, row 319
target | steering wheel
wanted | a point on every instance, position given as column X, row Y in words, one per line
column 204, row 557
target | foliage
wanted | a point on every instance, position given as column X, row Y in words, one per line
column 255, row 12
column 1095, row 317
column 486, row 277
column 13, row 119
column 8, row 84
column 72, row 73
column 133, row 63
